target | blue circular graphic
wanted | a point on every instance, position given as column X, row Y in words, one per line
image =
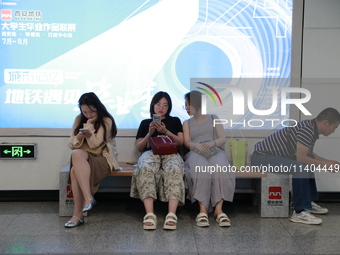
column 202, row 60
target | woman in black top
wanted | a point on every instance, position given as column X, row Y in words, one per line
column 162, row 174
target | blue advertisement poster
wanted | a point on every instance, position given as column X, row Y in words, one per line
column 126, row 50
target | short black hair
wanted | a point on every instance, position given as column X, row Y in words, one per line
column 330, row 114
column 195, row 99
column 158, row 96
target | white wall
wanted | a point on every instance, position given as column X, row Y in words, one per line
column 321, row 74
column 38, row 174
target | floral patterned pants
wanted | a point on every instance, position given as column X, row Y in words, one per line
column 162, row 174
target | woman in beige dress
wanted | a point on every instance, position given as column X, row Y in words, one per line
column 94, row 156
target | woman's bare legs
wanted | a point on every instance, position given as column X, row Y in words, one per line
column 218, row 208
column 148, row 205
column 203, row 209
column 80, row 182
column 172, row 208
column 223, row 220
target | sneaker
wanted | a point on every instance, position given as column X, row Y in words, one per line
column 305, row 218
column 317, row 209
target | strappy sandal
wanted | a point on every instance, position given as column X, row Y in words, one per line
column 90, row 205
column 167, row 220
column 223, row 220
column 71, row 224
column 202, row 220
column 152, row 221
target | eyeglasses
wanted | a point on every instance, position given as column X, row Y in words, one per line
column 185, row 107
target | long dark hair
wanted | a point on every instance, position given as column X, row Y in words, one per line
column 158, row 96
column 90, row 99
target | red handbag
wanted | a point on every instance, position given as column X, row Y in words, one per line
column 163, row 145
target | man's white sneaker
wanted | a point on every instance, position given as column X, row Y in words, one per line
column 305, row 218
column 317, row 209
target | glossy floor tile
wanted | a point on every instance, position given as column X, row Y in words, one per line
column 114, row 226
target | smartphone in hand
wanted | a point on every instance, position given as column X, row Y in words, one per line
column 84, row 130
column 156, row 118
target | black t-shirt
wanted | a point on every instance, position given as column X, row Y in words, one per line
column 173, row 124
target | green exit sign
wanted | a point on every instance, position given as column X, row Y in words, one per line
column 17, row 151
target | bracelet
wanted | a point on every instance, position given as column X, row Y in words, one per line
column 165, row 132
column 215, row 143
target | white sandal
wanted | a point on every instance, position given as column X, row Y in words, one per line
column 202, row 220
column 167, row 219
column 152, row 221
column 223, row 220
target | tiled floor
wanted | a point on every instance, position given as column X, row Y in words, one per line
column 114, row 227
